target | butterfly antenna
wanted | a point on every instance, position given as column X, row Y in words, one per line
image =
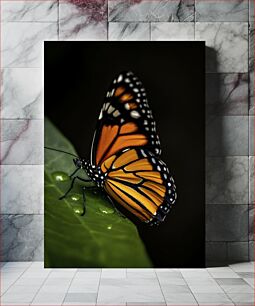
column 48, row 148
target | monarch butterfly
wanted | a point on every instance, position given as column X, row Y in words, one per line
column 125, row 154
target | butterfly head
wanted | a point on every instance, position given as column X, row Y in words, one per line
column 80, row 163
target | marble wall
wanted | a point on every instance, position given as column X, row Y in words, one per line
column 226, row 26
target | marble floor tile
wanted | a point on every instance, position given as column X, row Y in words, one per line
column 230, row 281
column 141, row 273
column 80, row 20
column 68, row 273
column 227, row 222
column 128, row 31
column 44, row 298
column 250, row 281
column 237, row 288
column 234, row 10
column 180, row 299
column 182, row 31
column 164, row 10
column 81, row 297
column 195, row 273
column 22, row 297
column 243, row 267
column 242, row 298
column 22, row 142
column 16, row 179
column 227, row 180
column 16, row 264
column 87, row 274
column 213, row 299
column 89, row 285
column 22, row 10
column 227, row 94
column 227, row 135
column 23, row 43
column 22, row 93
column 222, row 272
column 114, row 273
column 112, row 295
column 22, row 237
column 169, row 289
column 143, row 293
column 227, row 45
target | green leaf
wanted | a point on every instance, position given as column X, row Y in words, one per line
column 101, row 237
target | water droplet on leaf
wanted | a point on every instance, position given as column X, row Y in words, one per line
column 79, row 210
column 60, row 176
column 106, row 210
column 109, row 227
column 76, row 201
column 75, row 197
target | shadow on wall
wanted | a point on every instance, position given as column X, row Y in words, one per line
column 212, row 255
column 219, row 219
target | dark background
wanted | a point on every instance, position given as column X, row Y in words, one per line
column 76, row 78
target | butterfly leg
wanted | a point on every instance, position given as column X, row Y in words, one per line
column 71, row 186
column 84, row 188
column 116, row 210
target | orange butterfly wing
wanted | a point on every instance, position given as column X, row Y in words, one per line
column 125, row 120
column 141, row 183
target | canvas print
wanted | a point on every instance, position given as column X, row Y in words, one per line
column 113, row 197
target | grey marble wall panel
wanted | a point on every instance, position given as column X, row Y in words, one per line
column 237, row 251
column 129, row 31
column 22, row 237
column 251, row 10
column 164, row 10
column 227, row 45
column 82, row 21
column 22, row 142
column 251, row 68
column 21, row 93
column 227, row 180
column 227, row 135
column 172, row 31
column 24, row 47
column 251, row 222
column 251, row 250
column 227, row 223
column 22, row 189
column 227, row 94
column 251, row 180
column 251, row 135
column 23, row 10
column 234, row 10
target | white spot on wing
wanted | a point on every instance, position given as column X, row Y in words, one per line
column 106, row 105
column 110, row 109
column 127, row 106
column 135, row 114
column 101, row 115
column 116, row 113
column 120, row 78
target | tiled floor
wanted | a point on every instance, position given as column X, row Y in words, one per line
column 28, row 283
